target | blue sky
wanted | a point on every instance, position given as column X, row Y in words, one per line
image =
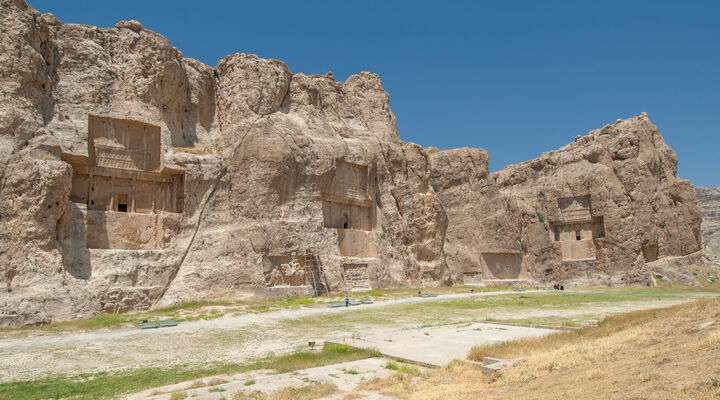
column 514, row 77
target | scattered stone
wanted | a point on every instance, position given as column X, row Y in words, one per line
column 495, row 366
column 490, row 366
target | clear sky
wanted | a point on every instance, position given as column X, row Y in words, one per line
column 514, row 77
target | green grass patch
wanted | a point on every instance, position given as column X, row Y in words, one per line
column 331, row 354
column 189, row 311
column 351, row 371
column 403, row 368
column 184, row 312
column 111, row 385
column 471, row 308
column 178, row 396
column 551, row 322
column 411, row 292
column 283, row 303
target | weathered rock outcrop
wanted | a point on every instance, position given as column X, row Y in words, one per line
column 278, row 168
column 710, row 203
column 596, row 210
column 267, row 182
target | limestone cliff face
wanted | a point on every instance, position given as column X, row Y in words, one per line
column 709, row 199
column 596, row 210
column 271, row 161
column 290, row 184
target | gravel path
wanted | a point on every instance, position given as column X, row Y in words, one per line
column 228, row 322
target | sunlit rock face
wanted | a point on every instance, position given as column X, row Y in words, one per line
column 133, row 177
column 594, row 211
column 710, row 203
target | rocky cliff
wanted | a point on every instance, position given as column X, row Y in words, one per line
column 710, row 203
column 268, row 182
column 595, row 211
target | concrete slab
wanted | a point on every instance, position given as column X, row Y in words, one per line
column 345, row 376
column 437, row 346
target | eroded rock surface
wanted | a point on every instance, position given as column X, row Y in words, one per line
column 710, row 203
column 269, row 182
column 595, row 211
column 279, row 169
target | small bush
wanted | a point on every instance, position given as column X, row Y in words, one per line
column 216, row 381
column 178, row 396
column 403, row 368
column 197, row 384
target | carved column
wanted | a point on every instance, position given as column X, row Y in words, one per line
column 89, row 187
column 173, row 193
column 112, row 195
column 132, row 194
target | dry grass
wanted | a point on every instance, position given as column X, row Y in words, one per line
column 660, row 354
column 606, row 328
column 197, row 384
column 216, row 381
column 211, row 382
column 178, row 396
column 307, row 392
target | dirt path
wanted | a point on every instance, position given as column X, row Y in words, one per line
column 236, row 338
column 228, row 322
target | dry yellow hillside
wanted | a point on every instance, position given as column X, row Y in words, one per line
column 672, row 353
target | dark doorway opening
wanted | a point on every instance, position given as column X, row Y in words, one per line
column 122, row 202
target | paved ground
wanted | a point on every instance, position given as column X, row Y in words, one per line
column 430, row 346
column 438, row 345
column 345, row 376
